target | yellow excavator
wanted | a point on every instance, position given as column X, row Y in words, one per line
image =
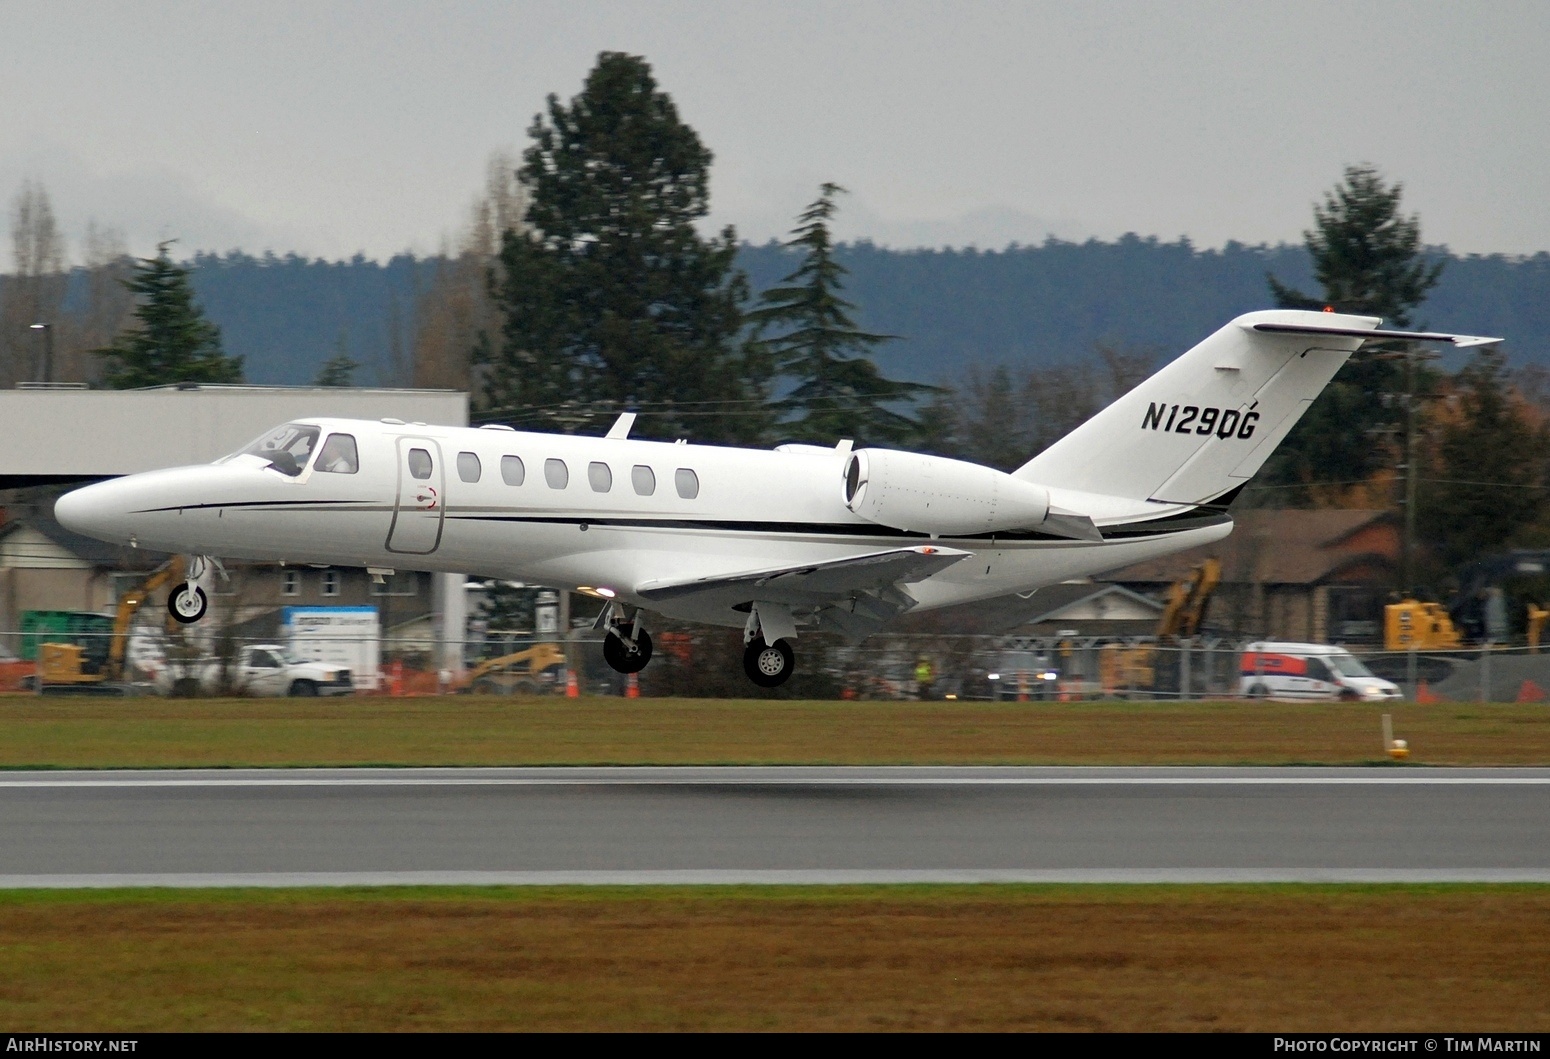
column 77, row 669
column 1121, row 668
column 513, row 674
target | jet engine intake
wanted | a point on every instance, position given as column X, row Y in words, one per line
column 950, row 498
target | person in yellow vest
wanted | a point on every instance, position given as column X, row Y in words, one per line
column 925, row 675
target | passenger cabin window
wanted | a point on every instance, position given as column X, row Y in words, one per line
column 339, row 455
column 643, row 480
column 600, row 477
column 420, row 464
column 468, row 466
column 1317, row 670
column 263, row 660
column 286, row 448
column 512, row 471
column 556, row 474
column 688, row 483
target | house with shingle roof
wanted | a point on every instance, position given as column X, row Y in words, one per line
column 1304, row 575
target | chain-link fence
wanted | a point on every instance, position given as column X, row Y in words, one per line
column 701, row 661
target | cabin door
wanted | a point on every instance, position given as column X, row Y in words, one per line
column 422, row 498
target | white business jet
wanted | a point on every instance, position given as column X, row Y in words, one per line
column 801, row 537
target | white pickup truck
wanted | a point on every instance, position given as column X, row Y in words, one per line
column 258, row 669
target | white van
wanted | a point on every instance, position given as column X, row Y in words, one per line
column 1310, row 671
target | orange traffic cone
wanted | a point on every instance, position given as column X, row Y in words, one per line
column 1531, row 692
column 632, row 687
column 1424, row 694
column 572, row 690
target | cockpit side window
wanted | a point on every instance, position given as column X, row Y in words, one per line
column 286, row 448
column 339, row 455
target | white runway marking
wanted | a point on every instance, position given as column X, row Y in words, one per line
column 774, row 877
column 623, row 778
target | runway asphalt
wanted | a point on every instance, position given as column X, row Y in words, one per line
column 771, row 825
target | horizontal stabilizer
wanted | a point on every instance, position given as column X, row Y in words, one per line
column 1462, row 341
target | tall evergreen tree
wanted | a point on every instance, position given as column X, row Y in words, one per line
column 838, row 391
column 1368, row 257
column 173, row 342
column 611, row 299
column 338, row 370
column 1490, row 467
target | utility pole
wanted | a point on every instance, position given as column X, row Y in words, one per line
column 48, row 351
column 1407, row 563
column 1412, row 468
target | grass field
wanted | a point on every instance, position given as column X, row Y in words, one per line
column 472, row 730
column 1282, row 958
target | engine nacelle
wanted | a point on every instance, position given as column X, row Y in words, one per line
column 932, row 494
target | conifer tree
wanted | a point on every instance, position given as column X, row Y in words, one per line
column 610, row 299
column 1368, row 258
column 1490, row 462
column 838, row 391
column 338, row 370
column 173, row 342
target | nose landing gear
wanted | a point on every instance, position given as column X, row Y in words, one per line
column 187, row 603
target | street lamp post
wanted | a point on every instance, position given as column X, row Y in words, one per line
column 48, row 350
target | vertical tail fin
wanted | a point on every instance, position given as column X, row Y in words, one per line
column 1202, row 425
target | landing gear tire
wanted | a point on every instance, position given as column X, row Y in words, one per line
column 623, row 656
column 768, row 664
column 187, row 607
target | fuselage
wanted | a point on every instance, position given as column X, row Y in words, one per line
column 610, row 514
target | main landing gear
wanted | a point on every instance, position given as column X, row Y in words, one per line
column 767, row 655
column 768, row 664
column 627, row 647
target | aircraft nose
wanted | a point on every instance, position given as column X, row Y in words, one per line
column 93, row 511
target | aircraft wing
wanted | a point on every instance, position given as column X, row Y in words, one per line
column 855, row 595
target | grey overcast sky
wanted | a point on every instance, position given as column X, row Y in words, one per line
column 327, row 127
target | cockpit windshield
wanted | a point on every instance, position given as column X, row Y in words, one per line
column 286, row 448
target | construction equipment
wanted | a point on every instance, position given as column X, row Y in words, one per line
column 1475, row 612
column 1411, row 623
column 514, row 674
column 1187, row 599
column 96, row 666
column 1124, row 669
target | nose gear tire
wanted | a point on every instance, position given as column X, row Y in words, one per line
column 768, row 665
column 187, row 607
column 621, row 656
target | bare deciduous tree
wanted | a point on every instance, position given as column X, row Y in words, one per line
column 36, row 288
column 455, row 311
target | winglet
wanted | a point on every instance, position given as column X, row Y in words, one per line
column 621, row 428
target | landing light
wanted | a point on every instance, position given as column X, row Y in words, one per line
column 607, row 593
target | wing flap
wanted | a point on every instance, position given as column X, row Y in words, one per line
column 813, row 584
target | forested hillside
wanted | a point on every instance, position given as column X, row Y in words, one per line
column 951, row 308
